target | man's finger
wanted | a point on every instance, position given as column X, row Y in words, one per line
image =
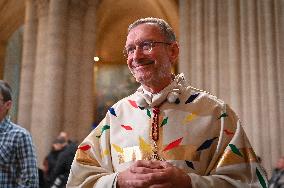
column 144, row 170
column 154, row 178
column 137, row 183
column 165, row 164
column 148, row 164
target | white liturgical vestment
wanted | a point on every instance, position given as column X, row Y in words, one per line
column 197, row 133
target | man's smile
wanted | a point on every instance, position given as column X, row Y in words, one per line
column 143, row 63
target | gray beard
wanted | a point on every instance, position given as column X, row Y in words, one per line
column 162, row 73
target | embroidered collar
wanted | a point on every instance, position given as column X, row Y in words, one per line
column 156, row 99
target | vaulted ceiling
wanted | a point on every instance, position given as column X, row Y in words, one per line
column 12, row 13
column 113, row 17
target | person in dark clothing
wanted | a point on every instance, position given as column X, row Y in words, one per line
column 62, row 167
column 41, row 179
column 50, row 161
column 277, row 179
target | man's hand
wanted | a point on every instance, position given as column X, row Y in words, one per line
column 153, row 174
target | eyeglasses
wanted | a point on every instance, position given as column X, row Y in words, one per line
column 145, row 46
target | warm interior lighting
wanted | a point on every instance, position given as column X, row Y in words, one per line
column 96, row 59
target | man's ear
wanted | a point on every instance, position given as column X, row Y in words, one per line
column 8, row 105
column 173, row 52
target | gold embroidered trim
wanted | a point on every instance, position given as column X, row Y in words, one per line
column 84, row 158
column 183, row 152
column 230, row 158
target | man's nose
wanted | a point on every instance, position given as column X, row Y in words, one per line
column 138, row 53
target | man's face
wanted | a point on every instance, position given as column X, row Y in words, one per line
column 280, row 163
column 149, row 66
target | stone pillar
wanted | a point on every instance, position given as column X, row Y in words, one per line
column 28, row 65
column 86, row 107
column 54, row 71
column 38, row 128
column 72, row 73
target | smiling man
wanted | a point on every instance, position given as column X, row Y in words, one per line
column 150, row 56
column 167, row 134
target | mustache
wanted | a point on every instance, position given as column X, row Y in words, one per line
column 144, row 62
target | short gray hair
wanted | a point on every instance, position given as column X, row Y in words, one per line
column 165, row 28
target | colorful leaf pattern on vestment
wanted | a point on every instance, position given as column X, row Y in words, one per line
column 223, row 115
column 164, row 122
column 189, row 164
column 105, row 153
column 206, row 144
column 173, row 144
column 133, row 103
column 261, row 179
column 117, row 148
column 148, row 113
column 84, row 147
column 105, row 127
column 112, row 111
column 144, row 146
column 235, row 150
column 228, row 132
column 189, row 118
column 191, row 98
column 127, row 127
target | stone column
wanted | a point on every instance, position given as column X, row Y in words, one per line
column 39, row 129
column 72, row 96
column 28, row 65
column 86, row 107
column 54, row 72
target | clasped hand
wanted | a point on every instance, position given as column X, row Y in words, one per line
column 153, row 174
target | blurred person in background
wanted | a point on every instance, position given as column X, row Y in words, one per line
column 61, row 169
column 51, row 159
column 277, row 178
